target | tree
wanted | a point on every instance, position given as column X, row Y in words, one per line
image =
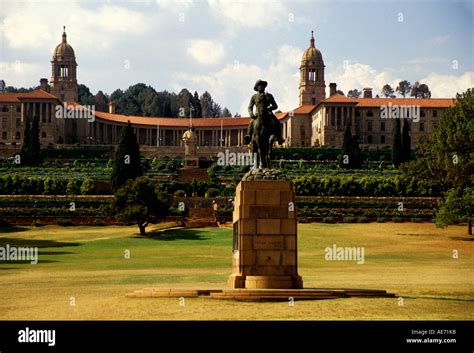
column 84, row 94
column 388, row 91
column 397, row 144
column 423, row 91
column 197, row 113
column 406, row 142
column 446, row 157
column 354, row 93
column 458, row 207
column 420, row 90
column 35, row 146
column 351, row 157
column 340, row 92
column 210, row 109
column 25, row 147
column 226, row 113
column 126, row 161
column 137, row 201
column 184, row 102
column 101, row 102
column 404, row 88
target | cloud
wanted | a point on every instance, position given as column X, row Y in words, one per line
column 249, row 13
column 29, row 25
column 234, row 82
column 440, row 39
column 362, row 75
column 175, row 6
column 206, row 52
column 19, row 73
column 446, row 86
column 359, row 76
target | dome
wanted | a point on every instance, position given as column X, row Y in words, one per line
column 312, row 53
column 63, row 49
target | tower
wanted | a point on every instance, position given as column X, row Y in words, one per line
column 63, row 75
column 312, row 86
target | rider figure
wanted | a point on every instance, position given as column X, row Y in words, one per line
column 265, row 104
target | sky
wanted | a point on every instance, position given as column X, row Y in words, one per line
column 224, row 46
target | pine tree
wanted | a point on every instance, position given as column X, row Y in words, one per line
column 126, row 162
column 35, row 146
column 345, row 160
column 397, row 144
column 25, row 147
column 406, row 142
column 197, row 113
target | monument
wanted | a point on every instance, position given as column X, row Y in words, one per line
column 264, row 218
column 190, row 148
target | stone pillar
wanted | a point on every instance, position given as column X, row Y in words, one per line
column 265, row 236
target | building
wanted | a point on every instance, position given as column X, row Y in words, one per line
column 317, row 121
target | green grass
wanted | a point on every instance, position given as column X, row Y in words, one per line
column 412, row 260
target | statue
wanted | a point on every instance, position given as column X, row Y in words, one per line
column 264, row 129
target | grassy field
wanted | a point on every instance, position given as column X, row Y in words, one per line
column 87, row 266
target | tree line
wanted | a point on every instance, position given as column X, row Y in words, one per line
column 143, row 100
column 404, row 88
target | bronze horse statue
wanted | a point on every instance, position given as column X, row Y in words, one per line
column 264, row 129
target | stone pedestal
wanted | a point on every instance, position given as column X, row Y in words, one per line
column 265, row 236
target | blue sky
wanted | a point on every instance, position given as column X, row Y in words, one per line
column 225, row 46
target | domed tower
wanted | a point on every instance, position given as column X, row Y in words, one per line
column 312, row 86
column 63, row 77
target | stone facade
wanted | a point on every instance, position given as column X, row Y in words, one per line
column 265, row 236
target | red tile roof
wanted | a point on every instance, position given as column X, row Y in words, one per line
column 17, row 97
column 377, row 102
column 177, row 122
column 304, row 109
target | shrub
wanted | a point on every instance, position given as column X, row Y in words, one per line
column 349, row 219
column 416, row 219
column 180, row 193
column 64, row 222
column 363, row 220
column 211, row 192
column 397, row 219
column 380, row 219
column 98, row 222
column 328, row 220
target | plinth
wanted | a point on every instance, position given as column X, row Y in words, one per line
column 265, row 236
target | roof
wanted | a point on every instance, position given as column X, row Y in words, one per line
column 63, row 49
column 178, row 122
column 378, row 102
column 304, row 109
column 17, row 97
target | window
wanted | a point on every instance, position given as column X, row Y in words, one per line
column 5, row 108
column 357, row 113
column 43, row 134
column 382, row 126
column 422, row 126
column 422, row 113
column 18, row 123
column 4, row 123
column 369, row 126
column 370, row 113
column 18, row 109
column 382, row 139
column 18, row 135
column 435, row 113
column 369, row 139
column 313, row 101
column 4, row 135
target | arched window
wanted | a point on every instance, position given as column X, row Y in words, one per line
column 382, row 139
column 18, row 135
column 4, row 135
column 369, row 139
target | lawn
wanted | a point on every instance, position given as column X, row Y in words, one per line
column 88, row 267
